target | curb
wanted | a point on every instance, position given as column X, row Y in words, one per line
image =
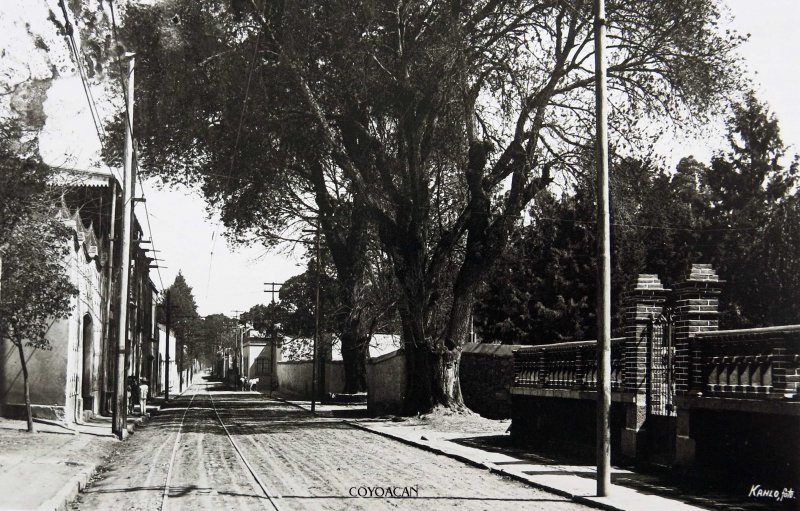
column 77, row 483
column 69, row 492
column 490, row 467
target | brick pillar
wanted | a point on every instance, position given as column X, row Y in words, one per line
column 696, row 310
column 642, row 303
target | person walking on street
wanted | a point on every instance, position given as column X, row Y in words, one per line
column 143, row 388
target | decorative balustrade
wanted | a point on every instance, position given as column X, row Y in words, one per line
column 754, row 363
column 566, row 365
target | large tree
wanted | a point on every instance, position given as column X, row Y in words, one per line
column 185, row 323
column 36, row 288
column 738, row 213
column 434, row 123
column 751, row 199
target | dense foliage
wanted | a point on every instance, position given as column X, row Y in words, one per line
column 425, row 128
column 740, row 213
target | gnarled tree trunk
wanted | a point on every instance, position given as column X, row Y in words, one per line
column 355, row 351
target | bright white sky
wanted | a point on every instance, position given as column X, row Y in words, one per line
column 233, row 278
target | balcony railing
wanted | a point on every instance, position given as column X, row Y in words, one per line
column 567, row 365
column 754, row 363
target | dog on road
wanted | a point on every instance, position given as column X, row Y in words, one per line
column 252, row 382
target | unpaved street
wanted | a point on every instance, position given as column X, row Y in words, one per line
column 290, row 460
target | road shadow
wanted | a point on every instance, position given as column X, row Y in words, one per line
column 241, row 413
column 705, row 493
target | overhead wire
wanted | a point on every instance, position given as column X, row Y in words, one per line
column 646, row 226
column 76, row 52
column 124, row 89
column 251, row 67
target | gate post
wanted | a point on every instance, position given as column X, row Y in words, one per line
column 696, row 310
column 641, row 304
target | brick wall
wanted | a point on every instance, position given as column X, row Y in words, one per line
column 696, row 310
column 487, row 374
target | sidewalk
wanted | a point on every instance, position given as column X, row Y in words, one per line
column 46, row 470
column 483, row 443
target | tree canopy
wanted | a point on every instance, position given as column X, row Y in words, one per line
column 185, row 321
column 738, row 213
column 429, row 126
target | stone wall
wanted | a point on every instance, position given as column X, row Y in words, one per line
column 487, row 374
column 566, row 427
column 294, row 378
column 386, row 381
column 334, row 377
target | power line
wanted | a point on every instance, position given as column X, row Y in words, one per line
column 152, row 241
column 76, row 52
column 646, row 226
column 119, row 63
column 233, row 153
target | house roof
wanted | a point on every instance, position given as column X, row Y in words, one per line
column 96, row 177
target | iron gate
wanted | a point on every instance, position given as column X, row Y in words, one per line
column 661, row 421
column 660, row 365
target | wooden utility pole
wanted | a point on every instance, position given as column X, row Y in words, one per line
column 603, row 261
column 166, row 365
column 108, row 340
column 316, row 333
column 273, row 290
column 240, row 342
column 179, row 360
column 119, row 422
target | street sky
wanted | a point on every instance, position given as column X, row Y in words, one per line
column 233, row 277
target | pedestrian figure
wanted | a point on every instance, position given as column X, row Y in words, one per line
column 133, row 393
column 143, row 388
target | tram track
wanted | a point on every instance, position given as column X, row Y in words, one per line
column 270, row 498
column 212, row 449
column 269, row 501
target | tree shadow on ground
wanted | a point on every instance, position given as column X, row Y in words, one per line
column 701, row 492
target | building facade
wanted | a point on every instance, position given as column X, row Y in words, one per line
column 76, row 378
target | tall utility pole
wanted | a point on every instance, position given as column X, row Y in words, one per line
column 316, row 333
column 179, row 359
column 273, row 290
column 119, row 419
column 604, row 261
column 108, row 341
column 166, row 365
column 240, row 342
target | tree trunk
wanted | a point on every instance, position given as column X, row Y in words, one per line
column 355, row 351
column 432, row 370
column 26, row 385
column 432, row 379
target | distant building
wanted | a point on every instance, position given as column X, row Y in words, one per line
column 260, row 357
column 159, row 372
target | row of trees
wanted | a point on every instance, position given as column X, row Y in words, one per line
column 412, row 134
column 202, row 336
column 741, row 213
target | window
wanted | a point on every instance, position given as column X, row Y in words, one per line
column 262, row 366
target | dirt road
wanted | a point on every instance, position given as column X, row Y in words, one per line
column 276, row 456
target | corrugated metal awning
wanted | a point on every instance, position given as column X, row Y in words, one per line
column 84, row 177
